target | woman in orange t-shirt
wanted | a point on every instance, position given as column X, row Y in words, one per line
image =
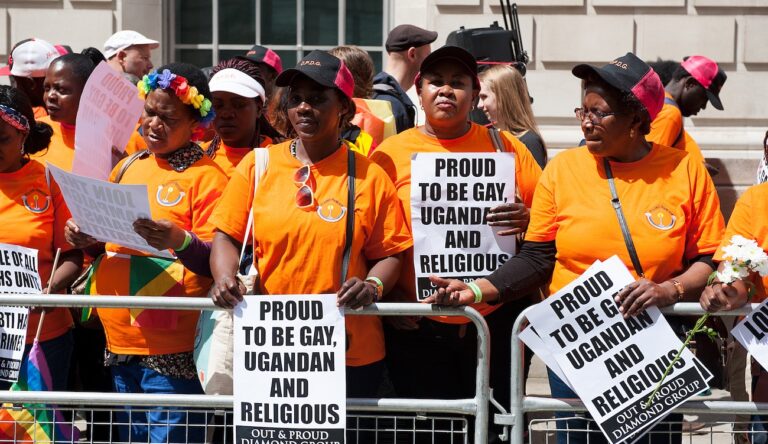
column 299, row 215
column 29, row 200
column 238, row 99
column 668, row 199
column 448, row 88
column 150, row 351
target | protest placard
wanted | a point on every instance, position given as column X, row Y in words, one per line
column 108, row 113
column 752, row 333
column 106, row 210
column 289, row 370
column 613, row 363
column 18, row 274
column 451, row 196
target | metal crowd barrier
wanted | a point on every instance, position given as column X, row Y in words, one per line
column 521, row 404
column 476, row 407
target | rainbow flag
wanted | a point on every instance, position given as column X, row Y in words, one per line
column 139, row 276
column 35, row 423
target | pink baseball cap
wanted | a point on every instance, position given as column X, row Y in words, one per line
column 708, row 74
column 323, row 68
column 629, row 74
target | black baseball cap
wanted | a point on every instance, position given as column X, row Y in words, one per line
column 260, row 54
column 629, row 74
column 324, row 69
column 453, row 53
column 403, row 37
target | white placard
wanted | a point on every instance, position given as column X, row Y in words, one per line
column 451, row 195
column 18, row 274
column 752, row 333
column 106, row 117
column 613, row 363
column 289, row 370
column 106, row 210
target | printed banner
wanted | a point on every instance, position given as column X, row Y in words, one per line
column 451, row 196
column 106, row 210
column 289, row 370
column 18, row 274
column 614, row 364
column 109, row 110
column 752, row 333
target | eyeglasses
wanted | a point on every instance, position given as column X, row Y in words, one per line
column 595, row 116
column 305, row 196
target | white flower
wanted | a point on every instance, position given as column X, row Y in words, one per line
column 742, row 257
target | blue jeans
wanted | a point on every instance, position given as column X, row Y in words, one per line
column 587, row 431
column 160, row 424
column 58, row 355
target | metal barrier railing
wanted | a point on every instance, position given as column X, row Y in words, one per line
column 476, row 406
column 521, row 404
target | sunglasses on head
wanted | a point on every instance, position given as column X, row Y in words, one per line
column 305, row 195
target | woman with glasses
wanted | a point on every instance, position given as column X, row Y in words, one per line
column 669, row 201
column 448, row 88
column 300, row 214
column 150, row 351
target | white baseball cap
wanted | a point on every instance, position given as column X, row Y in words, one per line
column 236, row 82
column 30, row 58
column 123, row 39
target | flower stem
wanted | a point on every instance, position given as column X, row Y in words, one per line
column 696, row 329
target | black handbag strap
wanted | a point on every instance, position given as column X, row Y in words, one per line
column 350, row 230
column 622, row 221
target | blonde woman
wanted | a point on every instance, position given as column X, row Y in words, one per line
column 505, row 101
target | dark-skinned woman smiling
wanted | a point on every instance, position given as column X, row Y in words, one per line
column 669, row 201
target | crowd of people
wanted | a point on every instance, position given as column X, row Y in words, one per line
column 331, row 213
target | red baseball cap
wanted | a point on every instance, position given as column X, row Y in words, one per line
column 708, row 74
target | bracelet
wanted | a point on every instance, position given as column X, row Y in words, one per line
column 679, row 288
column 379, row 287
column 187, row 241
column 476, row 290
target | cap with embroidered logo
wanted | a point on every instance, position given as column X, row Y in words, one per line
column 708, row 74
column 629, row 74
column 260, row 54
column 324, row 69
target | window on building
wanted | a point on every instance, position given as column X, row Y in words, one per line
column 206, row 31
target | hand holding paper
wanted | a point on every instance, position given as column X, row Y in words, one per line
column 512, row 217
column 161, row 234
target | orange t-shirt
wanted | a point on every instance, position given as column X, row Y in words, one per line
column 61, row 151
column 299, row 251
column 667, row 129
column 394, row 155
column 227, row 158
column 747, row 220
column 669, row 202
column 27, row 201
column 39, row 111
column 187, row 199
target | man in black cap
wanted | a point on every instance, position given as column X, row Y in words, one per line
column 407, row 46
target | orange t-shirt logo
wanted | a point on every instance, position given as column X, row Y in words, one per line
column 169, row 195
column 36, row 201
column 331, row 210
column 661, row 218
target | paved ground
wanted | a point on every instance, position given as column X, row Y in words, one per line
column 714, row 428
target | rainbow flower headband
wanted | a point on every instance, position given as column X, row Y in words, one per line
column 187, row 94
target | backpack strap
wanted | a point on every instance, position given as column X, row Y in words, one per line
column 260, row 160
column 496, row 139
